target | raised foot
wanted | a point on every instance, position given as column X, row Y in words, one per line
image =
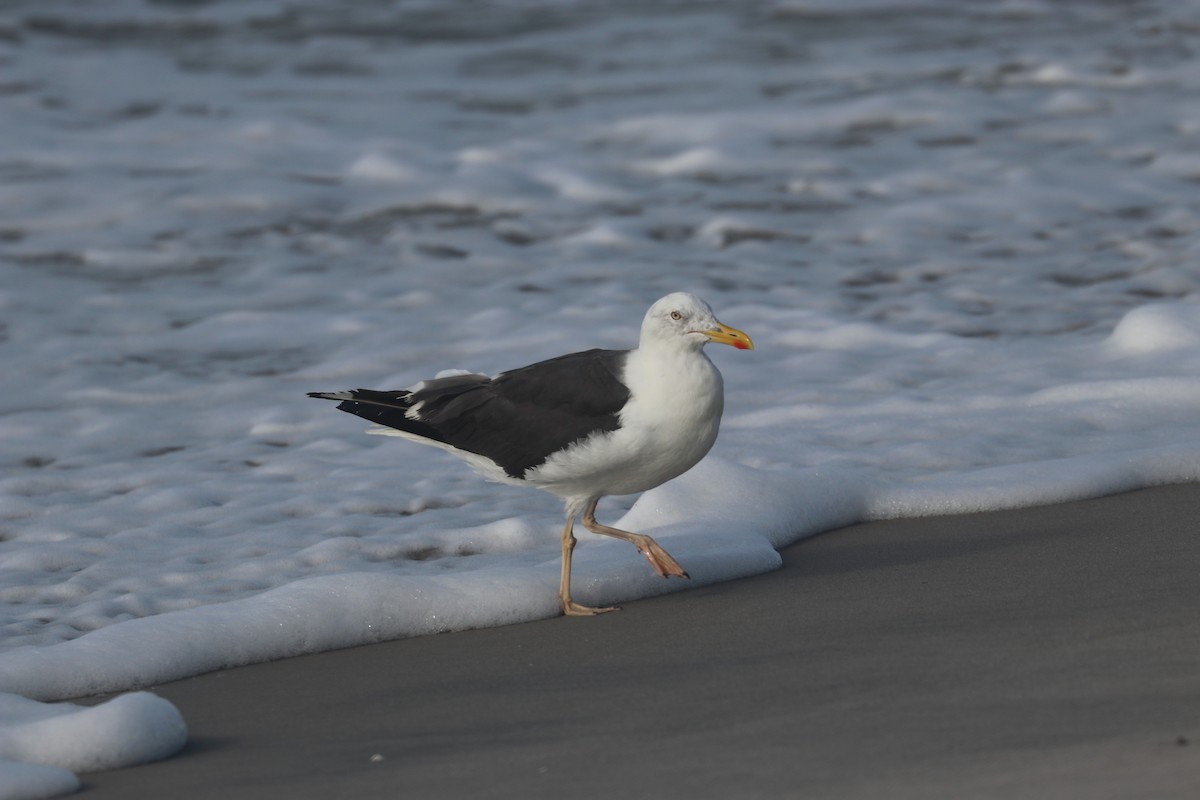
column 573, row 609
column 660, row 560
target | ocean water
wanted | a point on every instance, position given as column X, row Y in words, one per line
column 963, row 236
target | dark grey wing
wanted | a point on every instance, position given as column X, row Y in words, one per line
column 523, row 416
column 518, row 419
column 392, row 409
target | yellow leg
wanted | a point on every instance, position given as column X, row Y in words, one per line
column 660, row 560
column 569, row 606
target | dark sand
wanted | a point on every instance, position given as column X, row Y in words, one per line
column 1042, row 653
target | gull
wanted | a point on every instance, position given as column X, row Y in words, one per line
column 581, row 426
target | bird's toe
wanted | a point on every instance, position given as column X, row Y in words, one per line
column 573, row 609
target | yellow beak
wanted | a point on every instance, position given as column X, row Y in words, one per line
column 730, row 336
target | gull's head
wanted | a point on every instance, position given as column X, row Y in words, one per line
column 684, row 320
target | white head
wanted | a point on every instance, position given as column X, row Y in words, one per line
column 684, row 320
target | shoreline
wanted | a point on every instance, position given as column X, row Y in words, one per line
column 1041, row 652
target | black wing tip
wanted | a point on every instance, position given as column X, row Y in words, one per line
column 330, row 395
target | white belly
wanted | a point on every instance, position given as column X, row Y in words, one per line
column 669, row 424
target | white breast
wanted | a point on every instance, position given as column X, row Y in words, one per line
column 669, row 424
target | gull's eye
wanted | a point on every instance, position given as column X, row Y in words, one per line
column 675, row 315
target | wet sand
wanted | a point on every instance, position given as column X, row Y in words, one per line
column 1047, row 652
